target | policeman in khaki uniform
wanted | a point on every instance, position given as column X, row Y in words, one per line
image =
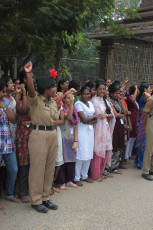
column 42, row 140
column 147, row 169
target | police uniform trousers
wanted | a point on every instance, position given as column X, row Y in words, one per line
column 148, row 155
column 42, row 151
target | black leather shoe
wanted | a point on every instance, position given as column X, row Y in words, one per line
column 40, row 208
column 150, row 173
column 50, row 205
column 147, row 177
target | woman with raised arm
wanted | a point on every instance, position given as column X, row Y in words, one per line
column 69, row 140
column 59, row 157
column 24, row 127
column 43, row 138
column 133, row 107
column 7, row 146
column 62, row 85
column 12, row 101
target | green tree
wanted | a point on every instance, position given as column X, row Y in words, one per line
column 83, row 60
column 127, row 9
column 40, row 29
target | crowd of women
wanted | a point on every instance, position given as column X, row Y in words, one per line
column 99, row 126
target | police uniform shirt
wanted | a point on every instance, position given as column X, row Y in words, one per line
column 43, row 111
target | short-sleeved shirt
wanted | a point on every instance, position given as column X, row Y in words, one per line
column 7, row 145
column 149, row 106
column 43, row 111
column 85, row 132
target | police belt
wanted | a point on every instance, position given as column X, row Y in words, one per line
column 44, row 128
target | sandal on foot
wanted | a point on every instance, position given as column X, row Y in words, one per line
column 109, row 175
column 24, row 199
column 71, row 184
column 1, row 208
column 63, row 187
column 100, row 179
column 15, row 200
column 88, row 180
column 117, row 172
column 56, row 190
column 122, row 167
column 104, row 177
column 78, row 183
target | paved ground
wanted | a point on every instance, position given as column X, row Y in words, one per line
column 123, row 202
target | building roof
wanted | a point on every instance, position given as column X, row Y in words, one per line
column 146, row 4
column 142, row 27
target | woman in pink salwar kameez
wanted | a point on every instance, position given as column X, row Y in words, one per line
column 103, row 133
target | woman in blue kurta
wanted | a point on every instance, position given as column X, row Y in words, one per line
column 140, row 141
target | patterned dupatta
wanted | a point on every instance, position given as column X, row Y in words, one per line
column 74, row 120
column 117, row 105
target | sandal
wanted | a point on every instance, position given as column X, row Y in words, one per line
column 1, row 208
column 24, row 199
column 56, row 190
column 88, row 180
column 122, row 167
column 104, row 177
column 15, row 200
column 109, row 175
column 117, row 172
column 63, row 187
column 71, row 184
column 100, row 179
column 78, row 183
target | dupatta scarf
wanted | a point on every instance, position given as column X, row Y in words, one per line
column 74, row 120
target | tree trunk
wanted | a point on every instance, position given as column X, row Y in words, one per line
column 7, row 66
column 58, row 58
